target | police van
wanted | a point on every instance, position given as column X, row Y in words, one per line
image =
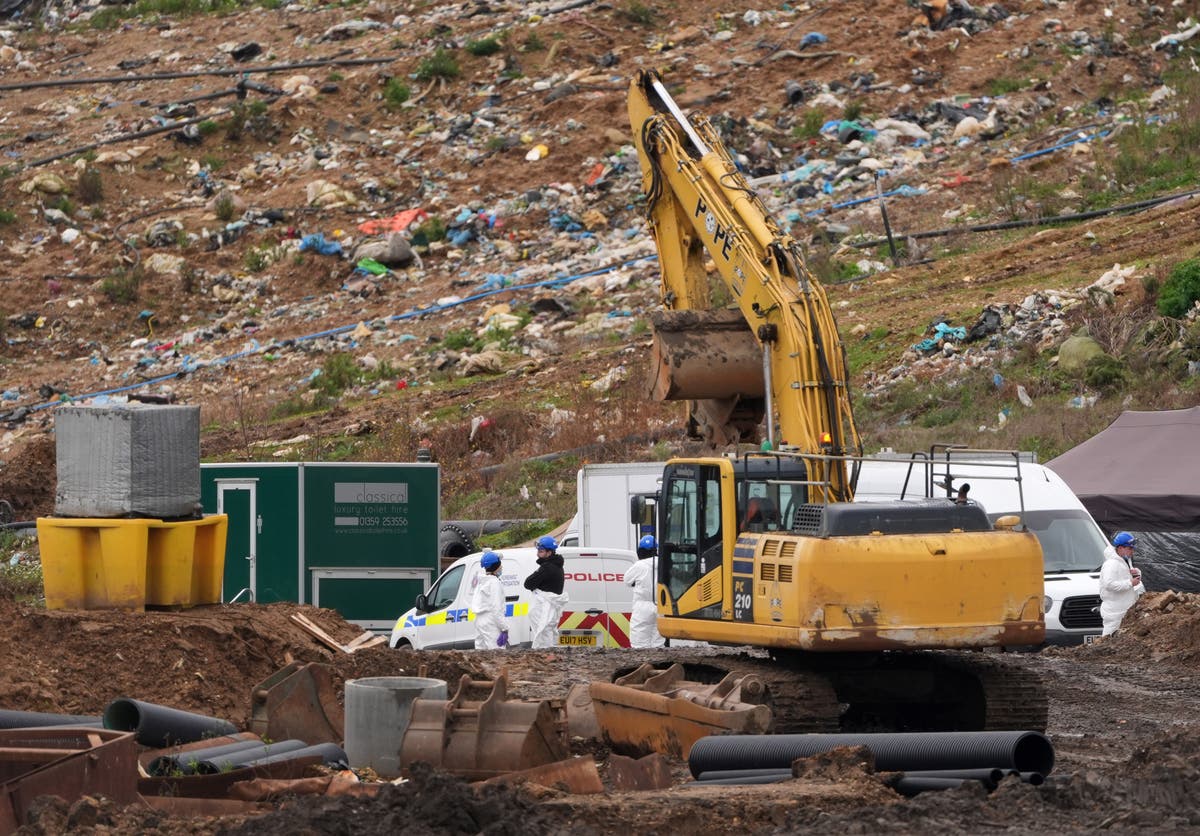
column 596, row 615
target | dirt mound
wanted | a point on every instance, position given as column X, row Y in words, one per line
column 205, row 659
column 27, row 481
column 1165, row 624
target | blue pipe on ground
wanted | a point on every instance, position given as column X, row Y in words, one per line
column 908, row 787
column 159, row 726
column 1024, row 751
column 331, row 752
column 184, row 763
column 742, row 780
column 11, row 719
column 236, row 760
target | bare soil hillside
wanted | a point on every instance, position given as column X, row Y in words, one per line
column 1122, row 722
column 141, row 262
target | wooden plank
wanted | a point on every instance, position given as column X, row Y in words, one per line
column 372, row 642
column 319, row 634
column 353, row 644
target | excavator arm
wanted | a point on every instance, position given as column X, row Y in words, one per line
column 698, row 205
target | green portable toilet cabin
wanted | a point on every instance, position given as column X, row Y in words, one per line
column 360, row 538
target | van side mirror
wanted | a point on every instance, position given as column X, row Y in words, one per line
column 422, row 603
column 637, row 508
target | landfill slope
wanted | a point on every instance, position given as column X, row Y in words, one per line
column 191, row 263
column 178, row 272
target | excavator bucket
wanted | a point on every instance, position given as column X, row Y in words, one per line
column 704, row 354
column 711, row 359
column 298, row 702
column 480, row 733
column 652, row 710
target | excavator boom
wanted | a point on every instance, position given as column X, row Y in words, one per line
column 865, row 600
column 700, row 205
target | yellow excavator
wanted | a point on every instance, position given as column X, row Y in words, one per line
column 868, row 610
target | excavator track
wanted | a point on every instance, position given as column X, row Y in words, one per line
column 895, row 691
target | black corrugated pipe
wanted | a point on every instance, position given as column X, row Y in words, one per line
column 236, row 760
column 1024, row 751
column 10, row 719
column 909, row 787
column 331, row 752
column 159, row 727
column 184, row 763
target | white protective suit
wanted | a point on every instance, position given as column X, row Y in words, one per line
column 545, row 611
column 487, row 603
column 1117, row 590
column 643, row 624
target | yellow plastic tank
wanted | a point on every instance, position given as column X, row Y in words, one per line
column 127, row 564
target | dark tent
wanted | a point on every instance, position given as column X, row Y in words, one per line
column 1142, row 475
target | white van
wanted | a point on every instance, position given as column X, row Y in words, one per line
column 1072, row 542
column 597, row 614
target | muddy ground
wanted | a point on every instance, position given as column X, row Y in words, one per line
column 1124, row 721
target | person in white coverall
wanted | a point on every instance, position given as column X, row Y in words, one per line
column 643, row 624
column 1120, row 581
column 547, row 596
column 487, row 603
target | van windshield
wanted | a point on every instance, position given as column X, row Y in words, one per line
column 1070, row 540
column 446, row 589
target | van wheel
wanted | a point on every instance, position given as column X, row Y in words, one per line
column 453, row 542
column 403, row 644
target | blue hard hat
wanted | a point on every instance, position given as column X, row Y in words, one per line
column 489, row 560
column 546, row 542
column 647, row 542
column 1124, row 538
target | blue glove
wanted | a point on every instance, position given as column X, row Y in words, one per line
column 503, row 640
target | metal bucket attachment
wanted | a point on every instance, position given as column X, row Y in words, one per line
column 479, row 733
column 711, row 359
column 298, row 702
column 704, row 354
column 651, row 710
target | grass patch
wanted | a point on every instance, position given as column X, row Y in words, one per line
column 810, row 126
column 1002, row 86
column 461, row 339
column 339, row 372
column 123, row 286
column 7, row 216
column 225, row 207
column 109, row 17
column 257, row 259
column 637, row 12
column 90, row 186
column 485, row 46
column 441, row 64
column 395, row 93
column 432, row 230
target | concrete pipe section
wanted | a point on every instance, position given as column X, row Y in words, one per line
column 378, row 710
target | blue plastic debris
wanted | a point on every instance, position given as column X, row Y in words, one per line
column 317, row 243
column 813, row 39
column 942, row 331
